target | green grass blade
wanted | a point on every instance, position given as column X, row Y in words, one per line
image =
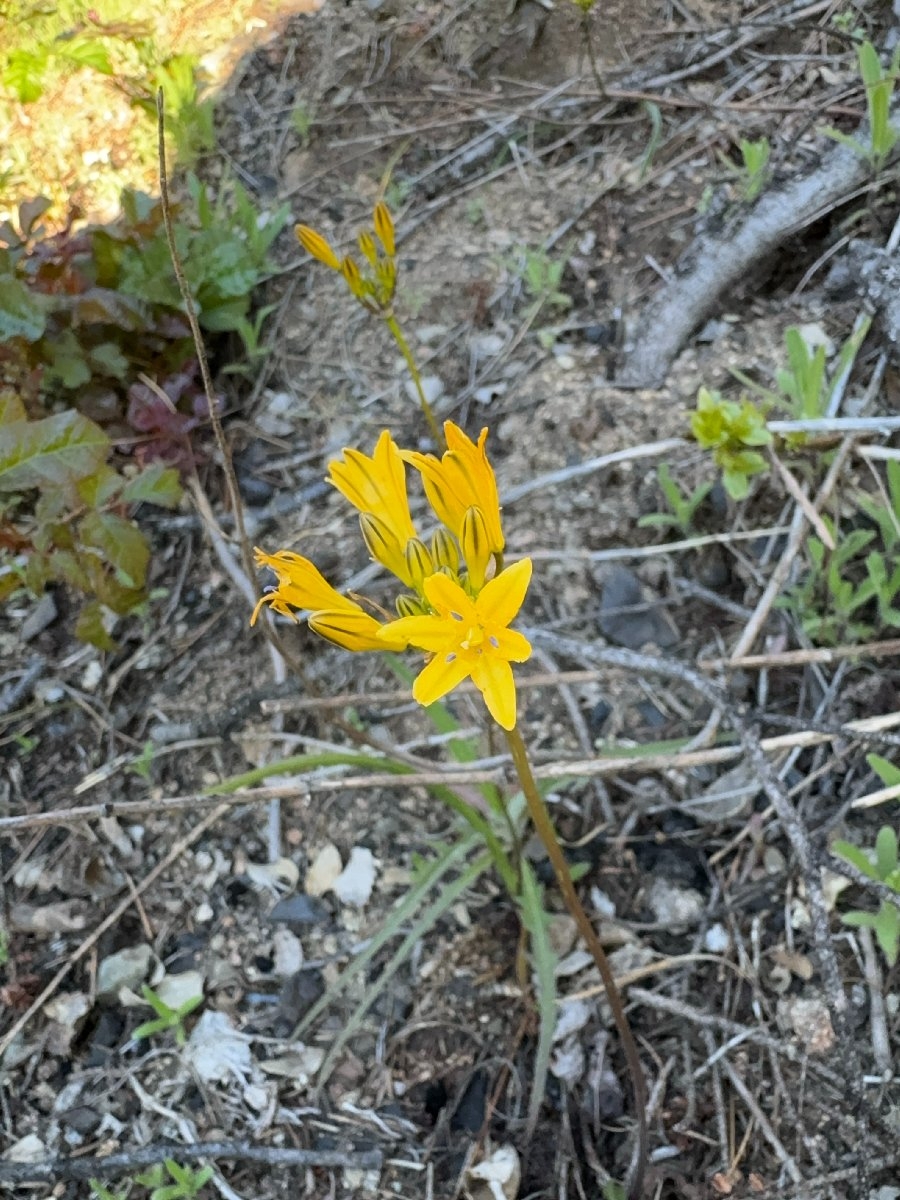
column 544, row 958
column 432, row 914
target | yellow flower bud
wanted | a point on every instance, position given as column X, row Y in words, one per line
column 385, row 547
column 368, row 249
column 313, row 243
column 384, row 229
column 409, row 606
column 444, row 551
column 476, row 547
column 418, row 562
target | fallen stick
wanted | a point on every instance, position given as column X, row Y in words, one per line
column 110, row 1166
column 716, row 263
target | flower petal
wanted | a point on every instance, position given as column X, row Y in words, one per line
column 352, row 630
column 313, row 243
column 440, row 676
column 447, row 597
column 494, row 679
column 426, row 633
column 510, row 644
column 502, row 597
column 301, row 583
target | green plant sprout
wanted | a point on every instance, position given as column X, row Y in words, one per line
column 731, row 429
column 804, row 388
column 753, row 173
column 879, row 84
column 541, row 276
column 829, row 605
column 886, row 516
column 188, row 1182
column 142, row 765
column 166, row 1018
column 881, row 865
column 682, row 505
column 99, row 1191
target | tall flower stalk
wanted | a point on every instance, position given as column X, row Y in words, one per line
column 457, row 606
column 372, row 281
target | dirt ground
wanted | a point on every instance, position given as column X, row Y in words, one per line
column 486, row 129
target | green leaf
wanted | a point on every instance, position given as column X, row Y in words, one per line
column 122, row 544
column 56, row 450
column 887, row 930
column 90, row 628
column 86, row 53
column 535, row 919
column 22, row 312
column 24, row 74
column 11, row 407
column 856, row 857
column 101, row 487
column 156, row 484
column 885, row 851
column 108, row 359
column 885, row 770
column 859, row 920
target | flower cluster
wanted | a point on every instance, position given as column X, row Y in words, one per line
column 459, row 599
column 374, row 281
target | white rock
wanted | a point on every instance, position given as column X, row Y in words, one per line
column 29, row 1149
column 674, row 905
column 717, row 939
column 500, row 1172
column 567, row 1061
column 126, row 969
column 176, row 990
column 287, row 951
column 354, row 884
column 432, row 386
column 91, row 676
column 216, row 1050
column 68, row 1009
column 323, row 871
column 574, row 1014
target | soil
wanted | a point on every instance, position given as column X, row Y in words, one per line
column 484, row 127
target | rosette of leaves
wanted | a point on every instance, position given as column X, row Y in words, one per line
column 731, row 429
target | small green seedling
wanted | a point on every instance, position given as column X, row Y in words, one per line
column 753, row 174
column 731, row 429
column 166, row 1017
column 682, row 505
column 143, row 764
column 886, row 517
column 542, row 277
column 188, row 1182
column 826, row 602
column 879, row 84
column 99, row 1191
column 804, row 388
column 883, row 866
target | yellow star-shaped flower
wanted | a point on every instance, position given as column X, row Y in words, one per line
column 469, row 637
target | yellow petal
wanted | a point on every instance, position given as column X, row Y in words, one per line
column 376, row 485
column 301, row 583
column 440, row 676
column 502, row 597
column 444, row 551
column 494, row 679
column 313, row 243
column 425, row 633
column 418, row 563
column 384, row 547
column 367, row 248
column 353, row 631
column 447, row 598
column 510, row 644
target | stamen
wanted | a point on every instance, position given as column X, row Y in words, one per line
column 456, row 616
column 494, row 642
column 450, row 658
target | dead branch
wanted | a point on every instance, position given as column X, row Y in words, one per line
column 717, row 262
column 112, row 1165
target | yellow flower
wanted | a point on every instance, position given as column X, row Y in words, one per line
column 313, row 243
column 461, row 479
column 336, row 617
column 469, row 637
column 377, row 485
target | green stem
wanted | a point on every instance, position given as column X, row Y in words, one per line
column 543, row 824
column 403, row 346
